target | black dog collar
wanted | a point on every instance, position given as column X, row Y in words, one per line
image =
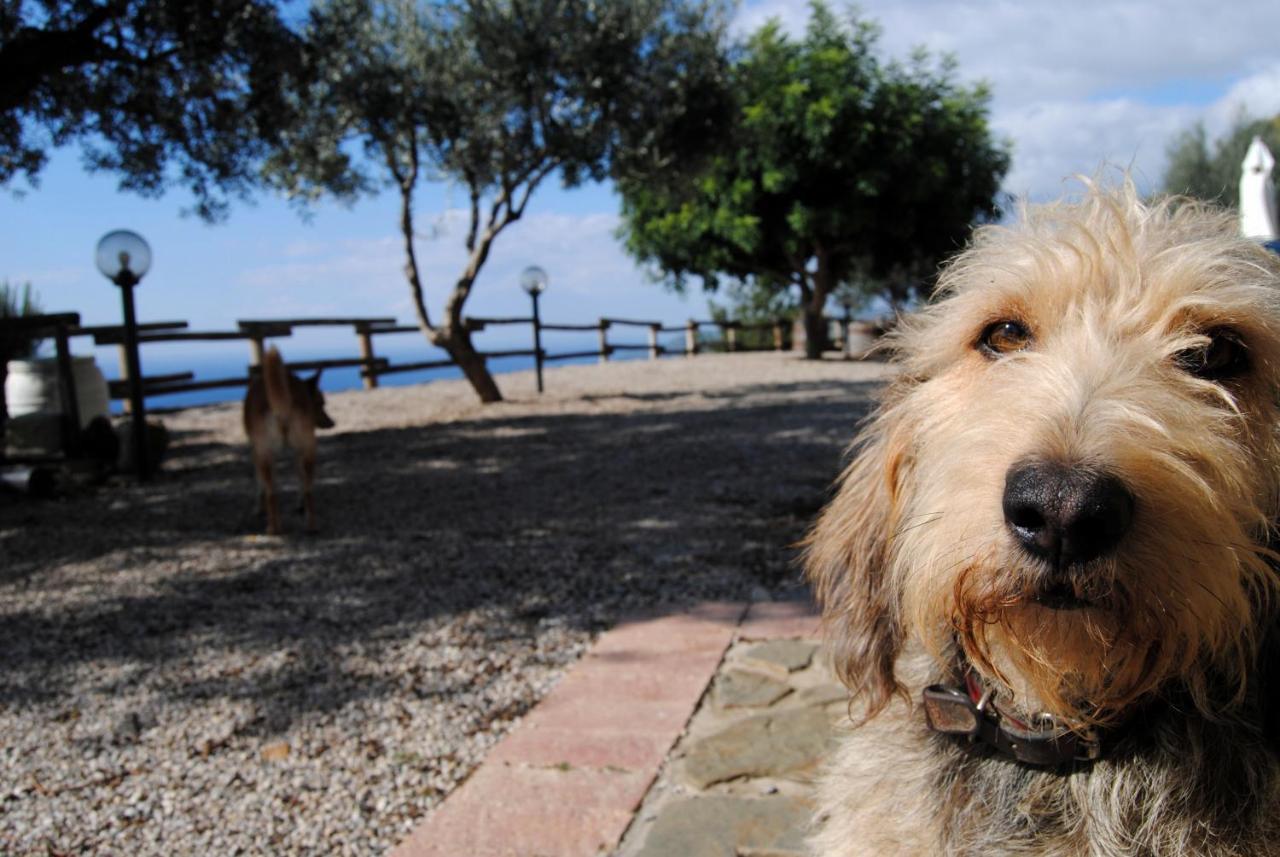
column 972, row 713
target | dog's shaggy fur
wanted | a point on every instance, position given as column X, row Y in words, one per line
column 1146, row 347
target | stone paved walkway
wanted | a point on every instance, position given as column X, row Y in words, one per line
column 592, row 770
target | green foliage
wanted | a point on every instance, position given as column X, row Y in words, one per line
column 835, row 164
column 1212, row 172
column 162, row 92
column 754, row 305
column 490, row 93
column 16, row 302
column 497, row 96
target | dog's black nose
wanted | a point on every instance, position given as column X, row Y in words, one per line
column 1065, row 515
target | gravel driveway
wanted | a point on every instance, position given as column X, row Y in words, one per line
column 173, row 683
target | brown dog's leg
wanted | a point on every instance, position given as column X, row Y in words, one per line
column 262, row 465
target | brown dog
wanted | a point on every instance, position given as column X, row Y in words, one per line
column 281, row 410
column 1050, row 574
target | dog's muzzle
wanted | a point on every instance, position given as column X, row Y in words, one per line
column 972, row 714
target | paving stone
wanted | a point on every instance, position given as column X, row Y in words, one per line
column 590, row 748
column 720, row 826
column 748, row 689
column 791, row 655
column 706, row 627
column 823, row 694
column 671, row 675
column 766, row 745
column 517, row 811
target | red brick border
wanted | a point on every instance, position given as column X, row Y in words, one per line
column 566, row 781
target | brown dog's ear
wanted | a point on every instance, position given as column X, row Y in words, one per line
column 846, row 559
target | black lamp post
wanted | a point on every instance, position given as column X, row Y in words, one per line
column 124, row 258
column 534, row 281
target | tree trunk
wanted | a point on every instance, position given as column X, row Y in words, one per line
column 815, row 332
column 814, row 301
column 453, row 336
column 458, row 343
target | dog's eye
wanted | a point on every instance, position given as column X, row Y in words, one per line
column 1003, row 337
column 1223, row 357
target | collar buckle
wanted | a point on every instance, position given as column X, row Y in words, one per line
column 951, row 711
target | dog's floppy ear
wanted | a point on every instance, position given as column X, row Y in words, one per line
column 846, row 561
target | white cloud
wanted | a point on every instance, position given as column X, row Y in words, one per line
column 1258, row 95
column 590, row 274
column 1038, row 49
column 1056, row 140
column 1079, row 85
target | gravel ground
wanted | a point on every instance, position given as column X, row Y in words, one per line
column 174, row 683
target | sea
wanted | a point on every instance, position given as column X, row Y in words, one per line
column 231, row 358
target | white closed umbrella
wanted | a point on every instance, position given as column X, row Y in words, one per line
column 1258, row 193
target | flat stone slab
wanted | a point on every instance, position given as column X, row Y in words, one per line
column 791, row 655
column 823, row 694
column 568, row 779
column 747, row 689
column 722, row 826
column 521, row 811
column 782, row 742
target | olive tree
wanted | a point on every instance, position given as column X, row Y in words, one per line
column 160, row 92
column 838, row 167
column 498, row 96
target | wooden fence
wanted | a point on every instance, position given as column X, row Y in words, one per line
column 255, row 332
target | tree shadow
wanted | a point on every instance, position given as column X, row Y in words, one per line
column 498, row 530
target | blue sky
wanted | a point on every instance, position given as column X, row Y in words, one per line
column 1074, row 85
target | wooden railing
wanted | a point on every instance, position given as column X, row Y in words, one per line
column 255, row 333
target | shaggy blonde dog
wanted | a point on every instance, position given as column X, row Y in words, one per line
column 1046, row 573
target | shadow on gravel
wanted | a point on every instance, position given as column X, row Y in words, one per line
column 569, row 519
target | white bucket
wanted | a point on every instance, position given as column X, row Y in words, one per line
column 32, row 388
column 862, row 338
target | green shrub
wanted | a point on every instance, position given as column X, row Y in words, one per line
column 15, row 302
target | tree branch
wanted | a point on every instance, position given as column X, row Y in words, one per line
column 34, row 55
column 473, row 188
column 498, row 202
column 533, row 179
column 407, row 182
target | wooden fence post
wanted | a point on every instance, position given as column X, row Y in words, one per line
column 778, row 339
column 366, row 353
column 67, row 385
column 126, row 405
column 691, row 338
column 653, row 341
column 256, row 350
column 731, row 335
column 604, row 340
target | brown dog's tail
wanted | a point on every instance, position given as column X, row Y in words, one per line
column 275, row 379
